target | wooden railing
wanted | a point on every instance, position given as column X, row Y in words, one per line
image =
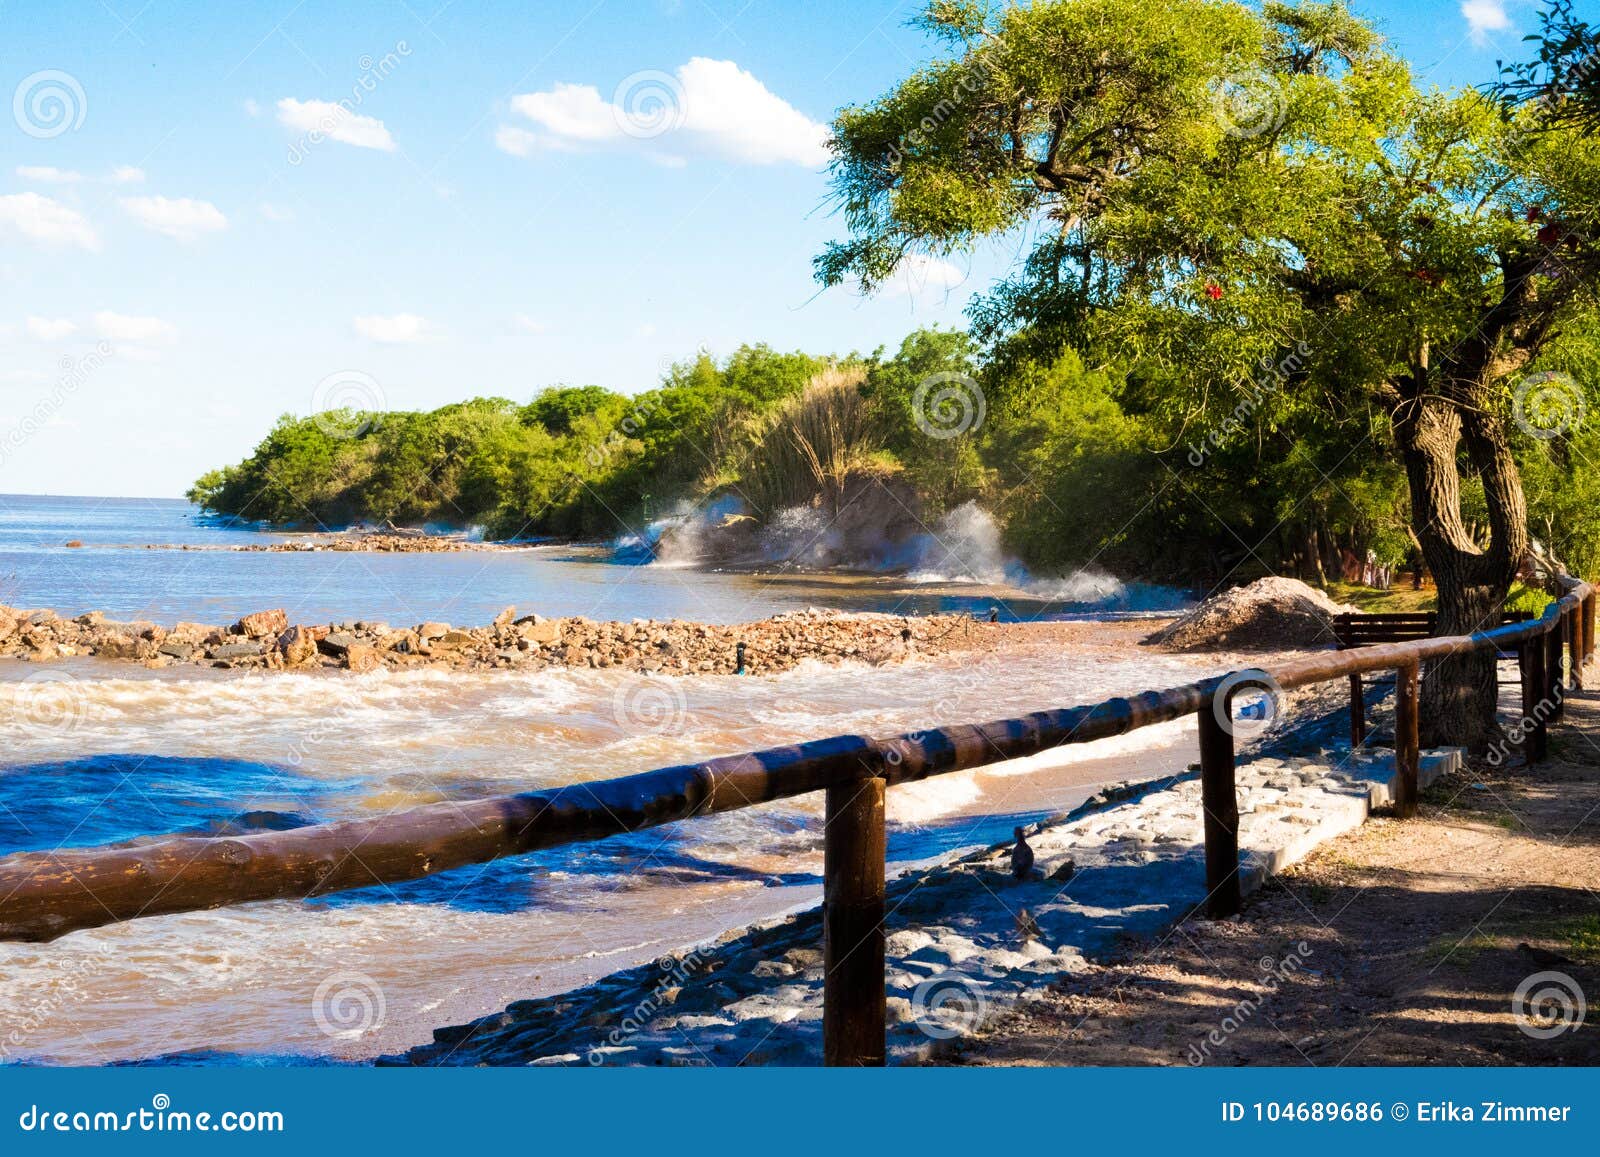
column 44, row 895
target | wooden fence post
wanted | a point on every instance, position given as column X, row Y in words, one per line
column 1588, row 626
column 1407, row 753
column 1220, row 802
column 1574, row 619
column 1551, row 693
column 1358, row 713
column 1530, row 658
column 854, row 1019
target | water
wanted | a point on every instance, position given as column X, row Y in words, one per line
column 113, row 572
column 113, row 752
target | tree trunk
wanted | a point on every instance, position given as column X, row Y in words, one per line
column 1460, row 693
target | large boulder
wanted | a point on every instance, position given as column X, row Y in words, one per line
column 262, row 624
column 298, row 646
column 537, row 630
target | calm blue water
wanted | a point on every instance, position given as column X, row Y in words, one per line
column 114, row 573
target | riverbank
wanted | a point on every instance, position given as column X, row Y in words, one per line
column 1468, row 935
column 966, row 942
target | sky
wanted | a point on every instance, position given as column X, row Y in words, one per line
column 214, row 214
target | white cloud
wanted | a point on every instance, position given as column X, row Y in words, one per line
column 525, row 324
column 47, row 220
column 398, row 329
column 50, row 328
column 182, row 218
column 1484, row 17
column 122, row 327
column 127, row 175
column 921, row 277
column 48, row 174
column 336, row 122
column 707, row 105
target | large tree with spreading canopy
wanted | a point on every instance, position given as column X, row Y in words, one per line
column 1259, row 206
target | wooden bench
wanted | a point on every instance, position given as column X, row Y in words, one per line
column 1366, row 630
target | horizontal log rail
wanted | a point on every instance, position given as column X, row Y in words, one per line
column 44, row 895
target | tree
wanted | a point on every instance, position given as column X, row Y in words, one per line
column 1259, row 208
column 1564, row 78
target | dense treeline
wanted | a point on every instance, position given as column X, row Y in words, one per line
column 1079, row 464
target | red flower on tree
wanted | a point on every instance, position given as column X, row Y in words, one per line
column 1213, row 291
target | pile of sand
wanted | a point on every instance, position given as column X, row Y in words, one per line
column 1270, row 614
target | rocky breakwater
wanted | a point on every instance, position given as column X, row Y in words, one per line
column 376, row 543
column 266, row 640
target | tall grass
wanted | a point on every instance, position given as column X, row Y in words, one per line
column 809, row 446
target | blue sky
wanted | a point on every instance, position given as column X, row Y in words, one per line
column 194, row 238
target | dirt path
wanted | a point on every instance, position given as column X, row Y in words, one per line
column 1397, row 944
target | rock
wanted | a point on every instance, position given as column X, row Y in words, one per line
column 337, row 643
column 454, row 640
column 231, row 651
column 262, row 624
column 297, row 646
column 537, row 630
column 115, row 645
column 180, row 651
column 503, row 619
column 360, row 657
column 427, row 631
column 73, row 542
